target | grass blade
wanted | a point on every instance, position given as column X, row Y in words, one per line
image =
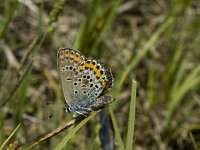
column 154, row 39
column 109, row 18
column 190, row 82
column 193, row 141
column 131, row 120
column 68, row 137
column 116, row 128
column 6, row 141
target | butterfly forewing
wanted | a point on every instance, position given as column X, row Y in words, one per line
column 68, row 60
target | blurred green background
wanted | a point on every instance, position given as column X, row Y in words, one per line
column 155, row 42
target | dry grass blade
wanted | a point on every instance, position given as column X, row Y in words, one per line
column 55, row 132
column 28, row 52
column 10, row 56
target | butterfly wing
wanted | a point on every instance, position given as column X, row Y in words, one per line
column 93, row 81
column 84, row 81
column 68, row 60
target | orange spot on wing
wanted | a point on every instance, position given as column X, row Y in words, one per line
column 71, row 55
column 67, row 54
column 78, row 59
column 61, row 55
column 96, row 72
column 103, row 82
column 81, row 67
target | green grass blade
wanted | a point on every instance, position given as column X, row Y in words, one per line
column 176, row 100
column 151, row 100
column 179, row 75
column 175, row 62
column 9, row 12
column 78, row 41
column 88, row 26
column 191, row 81
column 193, row 141
column 154, row 39
column 6, row 141
column 131, row 120
column 116, row 128
column 68, row 137
column 109, row 18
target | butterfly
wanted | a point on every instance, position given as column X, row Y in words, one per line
column 84, row 82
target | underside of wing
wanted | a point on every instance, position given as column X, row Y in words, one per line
column 68, row 61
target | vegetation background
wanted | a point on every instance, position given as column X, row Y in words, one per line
column 155, row 42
